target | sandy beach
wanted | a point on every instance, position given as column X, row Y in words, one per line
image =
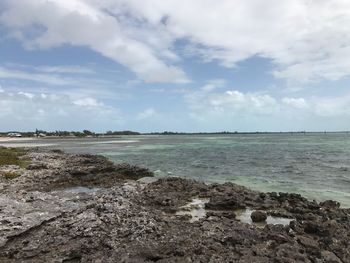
column 10, row 139
column 22, row 142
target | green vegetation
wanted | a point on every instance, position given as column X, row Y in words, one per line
column 10, row 175
column 122, row 133
column 13, row 156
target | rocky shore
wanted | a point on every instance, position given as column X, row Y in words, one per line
column 84, row 208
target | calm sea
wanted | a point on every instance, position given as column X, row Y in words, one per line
column 315, row 165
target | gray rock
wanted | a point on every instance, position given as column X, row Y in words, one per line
column 258, row 216
column 330, row 204
column 329, row 257
column 124, row 220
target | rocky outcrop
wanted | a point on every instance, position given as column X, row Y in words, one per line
column 258, row 216
column 50, row 170
column 83, row 208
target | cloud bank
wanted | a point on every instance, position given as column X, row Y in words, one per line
column 24, row 110
column 236, row 109
column 47, row 24
column 306, row 40
column 306, row 44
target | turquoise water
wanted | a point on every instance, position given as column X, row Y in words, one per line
column 315, row 165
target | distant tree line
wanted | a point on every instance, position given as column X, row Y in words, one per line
column 58, row 133
column 88, row 133
column 122, row 133
column 185, row 133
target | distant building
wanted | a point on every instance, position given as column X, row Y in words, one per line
column 14, row 134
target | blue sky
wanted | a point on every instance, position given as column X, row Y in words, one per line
column 162, row 65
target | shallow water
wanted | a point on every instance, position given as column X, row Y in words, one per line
column 243, row 215
column 195, row 209
column 314, row 165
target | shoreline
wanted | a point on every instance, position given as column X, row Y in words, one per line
column 9, row 139
column 83, row 208
column 263, row 182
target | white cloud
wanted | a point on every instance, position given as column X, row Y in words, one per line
column 52, row 69
column 78, row 79
column 23, row 111
column 231, row 103
column 149, row 113
column 213, row 84
column 26, row 94
column 210, row 106
column 307, row 40
column 298, row 103
column 82, row 23
column 89, row 102
column 51, row 79
column 69, row 69
column 332, row 107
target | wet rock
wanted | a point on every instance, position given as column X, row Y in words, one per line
column 279, row 238
column 318, row 228
column 262, row 195
column 132, row 171
column 308, row 242
column 226, row 214
column 37, row 166
column 329, row 257
column 57, row 151
column 258, row 216
column 273, row 195
column 313, row 205
column 225, row 203
column 330, row 204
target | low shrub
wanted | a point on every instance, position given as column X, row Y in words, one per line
column 13, row 156
column 10, row 175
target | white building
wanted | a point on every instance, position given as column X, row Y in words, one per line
column 14, row 134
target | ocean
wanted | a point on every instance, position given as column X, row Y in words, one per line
column 315, row 165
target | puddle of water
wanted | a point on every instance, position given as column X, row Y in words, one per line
column 243, row 215
column 195, row 209
column 82, row 189
column 148, row 179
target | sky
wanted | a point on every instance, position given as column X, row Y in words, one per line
column 162, row 65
